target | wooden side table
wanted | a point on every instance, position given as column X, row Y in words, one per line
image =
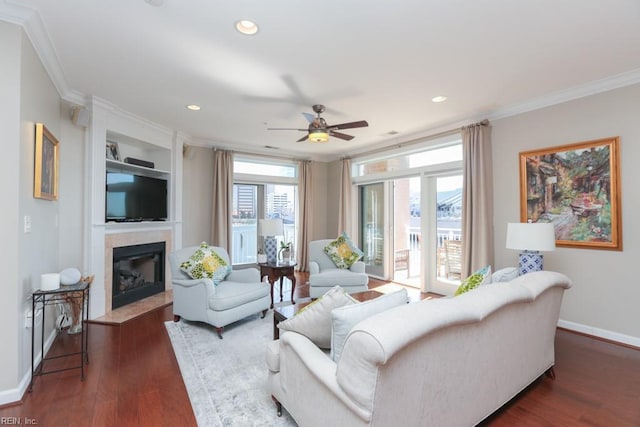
column 279, row 270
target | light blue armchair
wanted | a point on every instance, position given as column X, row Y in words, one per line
column 323, row 273
column 241, row 294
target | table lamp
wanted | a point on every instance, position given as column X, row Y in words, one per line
column 531, row 238
column 269, row 229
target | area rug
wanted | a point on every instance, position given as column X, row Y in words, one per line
column 226, row 379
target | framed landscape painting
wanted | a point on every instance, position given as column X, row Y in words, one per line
column 45, row 180
column 577, row 188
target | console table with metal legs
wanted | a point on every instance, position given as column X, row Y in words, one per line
column 72, row 294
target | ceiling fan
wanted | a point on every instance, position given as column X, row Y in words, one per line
column 319, row 130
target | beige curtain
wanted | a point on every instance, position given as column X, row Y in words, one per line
column 221, row 233
column 305, row 214
column 477, row 198
column 344, row 209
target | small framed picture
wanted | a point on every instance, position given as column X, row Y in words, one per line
column 113, row 153
column 46, row 164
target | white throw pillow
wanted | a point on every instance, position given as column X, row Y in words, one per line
column 343, row 319
column 504, row 275
column 314, row 320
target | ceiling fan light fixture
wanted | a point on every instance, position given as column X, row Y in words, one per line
column 246, row 27
column 318, row 136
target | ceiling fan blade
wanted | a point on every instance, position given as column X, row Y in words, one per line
column 304, row 130
column 304, row 138
column 341, row 135
column 310, row 117
column 350, row 125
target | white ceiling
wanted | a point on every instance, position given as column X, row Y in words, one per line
column 377, row 60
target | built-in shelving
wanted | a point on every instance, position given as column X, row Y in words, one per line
column 117, row 166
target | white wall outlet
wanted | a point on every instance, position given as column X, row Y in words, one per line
column 27, row 317
column 27, row 223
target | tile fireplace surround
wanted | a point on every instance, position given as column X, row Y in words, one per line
column 128, row 239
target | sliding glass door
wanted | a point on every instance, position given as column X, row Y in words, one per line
column 410, row 212
column 372, row 226
column 406, row 231
column 411, row 230
column 448, row 232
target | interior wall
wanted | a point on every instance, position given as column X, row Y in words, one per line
column 71, row 191
column 11, row 301
column 603, row 300
column 197, row 197
column 39, row 249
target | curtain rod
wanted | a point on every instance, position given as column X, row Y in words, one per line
column 409, row 143
column 271, row 156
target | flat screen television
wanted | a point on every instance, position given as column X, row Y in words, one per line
column 131, row 198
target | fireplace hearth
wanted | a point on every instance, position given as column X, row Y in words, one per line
column 138, row 272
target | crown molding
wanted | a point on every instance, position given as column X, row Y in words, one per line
column 34, row 28
column 592, row 88
column 13, row 13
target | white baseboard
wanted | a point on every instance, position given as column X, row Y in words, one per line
column 600, row 333
column 15, row 394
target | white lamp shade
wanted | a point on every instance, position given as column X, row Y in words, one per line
column 528, row 236
column 271, row 227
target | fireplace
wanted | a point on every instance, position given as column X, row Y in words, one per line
column 138, row 272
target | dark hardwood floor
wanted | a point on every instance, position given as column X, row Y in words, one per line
column 133, row 379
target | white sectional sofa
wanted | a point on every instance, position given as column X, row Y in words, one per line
column 443, row 362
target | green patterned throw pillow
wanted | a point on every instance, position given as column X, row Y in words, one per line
column 343, row 252
column 478, row 278
column 206, row 263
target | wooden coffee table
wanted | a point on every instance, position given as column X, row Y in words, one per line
column 283, row 313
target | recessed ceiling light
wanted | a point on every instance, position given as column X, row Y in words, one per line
column 247, row 27
column 193, row 107
column 439, row 98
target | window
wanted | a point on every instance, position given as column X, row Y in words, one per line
column 410, row 202
column 262, row 189
column 446, row 151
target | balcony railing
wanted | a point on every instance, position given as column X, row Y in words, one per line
column 415, row 240
column 245, row 244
